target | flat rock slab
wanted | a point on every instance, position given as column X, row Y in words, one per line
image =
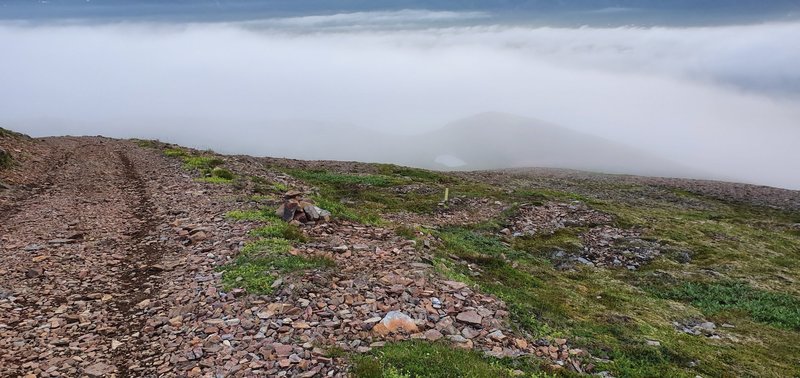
column 470, row 317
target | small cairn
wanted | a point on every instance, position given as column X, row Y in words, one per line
column 297, row 210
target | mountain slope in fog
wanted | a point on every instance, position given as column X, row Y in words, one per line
column 484, row 141
column 496, row 140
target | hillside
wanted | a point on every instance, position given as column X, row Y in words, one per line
column 141, row 258
column 497, row 140
column 483, row 141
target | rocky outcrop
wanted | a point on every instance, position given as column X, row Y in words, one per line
column 298, row 210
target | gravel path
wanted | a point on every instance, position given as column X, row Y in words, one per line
column 77, row 252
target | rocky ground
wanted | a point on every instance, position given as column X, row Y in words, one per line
column 612, row 186
column 110, row 271
column 112, row 254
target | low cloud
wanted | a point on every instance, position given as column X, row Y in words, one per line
column 724, row 100
column 371, row 20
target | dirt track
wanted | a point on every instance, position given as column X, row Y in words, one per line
column 78, row 251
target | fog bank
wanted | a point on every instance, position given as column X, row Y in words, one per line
column 722, row 100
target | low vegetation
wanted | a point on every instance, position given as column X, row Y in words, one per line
column 715, row 298
column 176, row 152
column 363, row 197
column 6, row 133
column 261, row 262
column 213, row 180
column 425, row 359
column 279, row 229
column 741, row 258
column 148, row 143
column 206, row 163
column 262, row 186
column 5, row 159
column 340, row 181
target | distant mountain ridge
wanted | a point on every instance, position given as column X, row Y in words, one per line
column 481, row 142
column 498, row 140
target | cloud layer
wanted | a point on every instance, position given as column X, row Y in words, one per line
column 722, row 99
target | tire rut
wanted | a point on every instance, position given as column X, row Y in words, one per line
column 34, row 190
column 139, row 281
column 83, row 245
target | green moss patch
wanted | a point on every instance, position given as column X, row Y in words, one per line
column 213, row 180
column 363, row 197
column 5, row 159
column 345, row 180
column 425, row 359
column 6, row 133
column 279, row 229
column 176, row 152
column 777, row 309
column 206, row 163
column 147, row 143
column 261, row 262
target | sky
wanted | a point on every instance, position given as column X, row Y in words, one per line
column 722, row 97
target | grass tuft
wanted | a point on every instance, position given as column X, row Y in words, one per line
column 222, row 173
column 264, row 186
column 276, row 245
column 341, row 179
column 259, row 264
column 176, row 152
column 5, row 159
column 340, row 210
column 6, row 133
column 778, row 309
column 425, row 359
column 202, row 162
column 213, row 180
column 279, row 229
column 543, row 245
column 148, row 143
column 407, row 232
column 416, row 174
column 209, row 166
